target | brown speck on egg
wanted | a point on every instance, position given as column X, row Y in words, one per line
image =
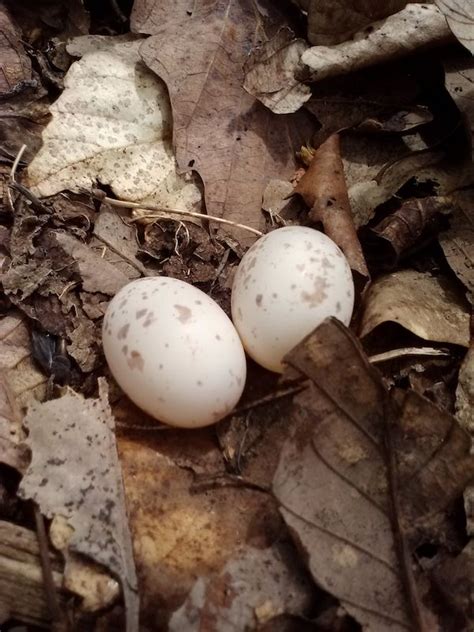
column 300, row 266
column 252, row 263
column 149, row 320
column 135, row 361
column 293, row 286
column 258, row 299
column 338, row 307
column 199, row 383
column 218, row 337
column 125, row 349
column 318, row 294
column 326, row 263
column 239, row 314
column 123, row 332
column 286, row 245
column 123, row 303
column 184, row 313
column 275, row 295
column 198, row 302
column 144, row 295
column 141, row 313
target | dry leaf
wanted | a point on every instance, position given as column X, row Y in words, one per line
column 333, row 21
column 460, row 17
column 75, row 473
column 417, row 26
column 458, row 241
column 12, row 452
column 233, row 142
column 112, row 124
column 416, row 221
column 149, row 15
column 363, row 479
column 15, row 63
column 428, row 306
column 253, row 587
column 324, row 190
column 25, row 380
column 272, row 73
column 465, row 416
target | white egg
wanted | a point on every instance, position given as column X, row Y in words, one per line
column 287, row 283
column 174, row 352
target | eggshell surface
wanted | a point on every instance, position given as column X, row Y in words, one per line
column 174, row 352
column 286, row 284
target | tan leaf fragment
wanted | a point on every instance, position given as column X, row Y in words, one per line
column 333, row 21
column 417, row 26
column 75, row 473
column 233, row 142
column 272, row 73
column 111, row 124
column 460, row 17
column 362, row 478
column 261, row 584
column 428, row 306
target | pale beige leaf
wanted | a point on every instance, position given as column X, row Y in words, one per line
column 333, row 21
column 428, row 306
column 272, row 74
column 75, row 472
column 112, row 124
column 460, row 17
column 416, row 26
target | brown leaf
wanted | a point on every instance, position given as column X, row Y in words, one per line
column 465, row 416
column 333, row 21
column 232, row 141
column 458, row 241
column 428, row 306
column 254, row 586
column 416, row 221
column 75, row 473
column 272, row 73
column 324, row 190
column 11, row 451
column 15, row 64
column 356, row 481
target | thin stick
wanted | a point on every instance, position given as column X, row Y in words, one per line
column 15, row 164
column 406, row 351
column 50, row 588
column 161, row 213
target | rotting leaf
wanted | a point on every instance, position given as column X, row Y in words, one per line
column 15, row 65
column 415, row 222
column 333, row 21
column 272, row 73
column 363, row 478
column 111, row 124
column 416, row 26
column 460, row 18
column 12, row 452
column 75, row 473
column 233, row 142
column 253, row 587
column 428, row 306
column 324, row 190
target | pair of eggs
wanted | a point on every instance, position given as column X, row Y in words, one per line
column 179, row 357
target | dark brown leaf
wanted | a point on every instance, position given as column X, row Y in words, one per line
column 15, row 64
column 415, row 222
column 324, row 189
column 363, row 478
column 231, row 140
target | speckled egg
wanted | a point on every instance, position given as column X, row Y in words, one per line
column 174, row 352
column 287, row 283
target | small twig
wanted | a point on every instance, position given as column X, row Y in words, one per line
column 406, row 351
column 163, row 213
column 12, row 180
column 226, row 480
column 50, row 588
